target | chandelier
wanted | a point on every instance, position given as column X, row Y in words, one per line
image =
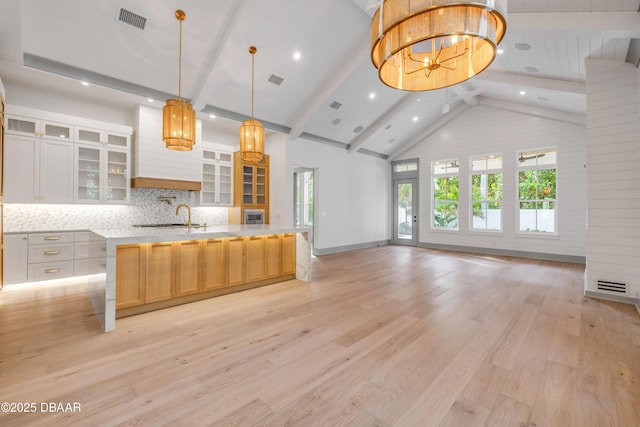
column 419, row 45
column 251, row 131
column 178, row 117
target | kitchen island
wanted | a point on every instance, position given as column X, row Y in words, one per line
column 152, row 268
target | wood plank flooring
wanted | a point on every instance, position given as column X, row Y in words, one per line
column 389, row 336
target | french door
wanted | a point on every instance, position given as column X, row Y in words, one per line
column 405, row 212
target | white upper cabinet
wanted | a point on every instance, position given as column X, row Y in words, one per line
column 26, row 126
column 217, row 175
column 103, row 137
column 38, row 170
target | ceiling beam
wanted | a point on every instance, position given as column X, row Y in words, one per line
column 533, row 82
column 456, row 112
column 464, row 95
column 381, row 121
column 326, row 88
column 611, row 24
column 530, row 110
column 205, row 78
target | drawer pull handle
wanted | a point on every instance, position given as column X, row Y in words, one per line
column 51, row 252
column 52, row 238
column 52, row 270
column 103, row 249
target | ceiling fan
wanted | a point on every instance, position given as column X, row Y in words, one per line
column 525, row 158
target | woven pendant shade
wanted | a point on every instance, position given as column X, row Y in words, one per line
column 420, row 45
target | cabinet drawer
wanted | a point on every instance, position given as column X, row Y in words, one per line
column 63, row 237
column 52, row 252
column 81, row 236
column 50, row 270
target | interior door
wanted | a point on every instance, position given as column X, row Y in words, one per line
column 405, row 212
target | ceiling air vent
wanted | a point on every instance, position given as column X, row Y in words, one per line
column 132, row 19
column 606, row 285
column 276, row 80
column 335, row 105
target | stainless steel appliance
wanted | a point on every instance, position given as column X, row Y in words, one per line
column 253, row 216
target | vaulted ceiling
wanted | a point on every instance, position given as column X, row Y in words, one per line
column 54, row 44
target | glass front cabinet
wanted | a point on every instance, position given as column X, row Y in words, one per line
column 217, row 177
column 102, row 174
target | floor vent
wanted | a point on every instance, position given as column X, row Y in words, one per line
column 605, row 285
column 132, row 19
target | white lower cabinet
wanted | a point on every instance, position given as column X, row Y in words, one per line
column 16, row 253
column 31, row 257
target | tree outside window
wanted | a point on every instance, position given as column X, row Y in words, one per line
column 486, row 193
column 445, row 194
column 537, row 191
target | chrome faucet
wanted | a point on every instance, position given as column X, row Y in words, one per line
column 188, row 221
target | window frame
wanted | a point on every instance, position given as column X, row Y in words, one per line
column 471, row 199
column 536, row 167
column 446, row 174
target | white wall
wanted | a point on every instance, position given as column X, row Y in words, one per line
column 25, row 97
column 613, row 152
column 484, row 130
column 353, row 193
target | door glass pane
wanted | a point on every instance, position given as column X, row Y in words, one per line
column 405, row 208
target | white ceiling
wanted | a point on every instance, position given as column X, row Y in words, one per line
column 79, row 39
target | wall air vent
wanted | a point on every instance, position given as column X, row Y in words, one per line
column 132, row 19
column 605, row 285
column 335, row 105
column 276, row 80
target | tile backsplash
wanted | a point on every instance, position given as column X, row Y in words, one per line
column 147, row 206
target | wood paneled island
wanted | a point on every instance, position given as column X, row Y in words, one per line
column 154, row 268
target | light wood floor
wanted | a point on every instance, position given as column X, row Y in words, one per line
column 385, row 336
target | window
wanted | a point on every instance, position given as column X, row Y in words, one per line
column 405, row 166
column 445, row 194
column 537, row 191
column 486, row 193
column 303, row 181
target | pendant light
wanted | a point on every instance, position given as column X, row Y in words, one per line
column 178, row 117
column 419, row 45
column 251, row 131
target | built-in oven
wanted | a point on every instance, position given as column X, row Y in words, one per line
column 253, row 216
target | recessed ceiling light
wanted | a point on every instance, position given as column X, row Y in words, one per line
column 500, row 51
column 358, row 129
column 212, row 116
column 523, row 46
column 531, row 69
column 297, row 56
column 522, row 92
column 415, row 118
column 372, row 95
column 150, row 100
column 85, row 83
column 336, row 121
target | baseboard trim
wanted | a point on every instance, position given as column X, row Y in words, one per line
column 347, row 248
column 614, row 298
column 506, row 252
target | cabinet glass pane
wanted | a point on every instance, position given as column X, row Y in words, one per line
column 117, row 178
column 118, row 140
column 24, row 126
column 260, row 186
column 88, row 173
column 57, row 131
column 225, row 157
column 208, row 155
column 247, row 185
column 89, row 136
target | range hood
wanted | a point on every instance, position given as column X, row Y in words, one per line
column 153, row 165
